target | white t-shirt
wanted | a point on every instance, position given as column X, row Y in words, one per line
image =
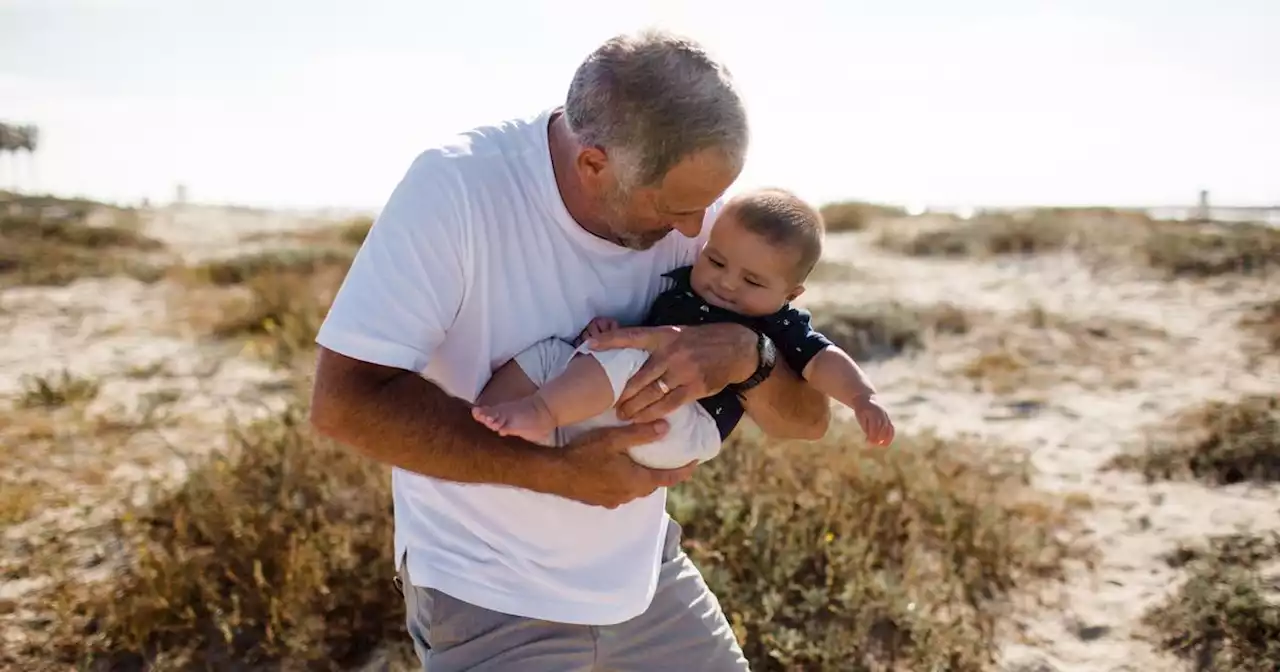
column 473, row 259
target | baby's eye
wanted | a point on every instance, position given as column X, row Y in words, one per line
column 715, row 263
column 753, row 283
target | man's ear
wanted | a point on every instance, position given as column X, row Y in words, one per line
column 593, row 163
column 795, row 293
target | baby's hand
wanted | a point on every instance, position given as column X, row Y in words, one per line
column 875, row 421
column 598, row 326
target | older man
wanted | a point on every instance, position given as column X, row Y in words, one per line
column 515, row 556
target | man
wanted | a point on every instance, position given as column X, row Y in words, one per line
column 516, row 556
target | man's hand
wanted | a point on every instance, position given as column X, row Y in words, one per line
column 685, row 364
column 598, row 470
column 875, row 421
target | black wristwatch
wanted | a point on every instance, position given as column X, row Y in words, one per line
column 768, row 354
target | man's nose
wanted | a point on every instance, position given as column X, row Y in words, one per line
column 690, row 226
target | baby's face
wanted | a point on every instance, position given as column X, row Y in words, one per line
column 740, row 271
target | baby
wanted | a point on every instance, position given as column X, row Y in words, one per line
column 762, row 249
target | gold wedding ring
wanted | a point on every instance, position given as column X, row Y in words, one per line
column 663, row 386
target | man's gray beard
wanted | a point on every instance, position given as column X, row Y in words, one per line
column 615, row 218
column 640, row 241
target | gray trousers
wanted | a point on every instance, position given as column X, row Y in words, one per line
column 683, row 629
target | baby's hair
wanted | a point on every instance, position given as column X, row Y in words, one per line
column 783, row 219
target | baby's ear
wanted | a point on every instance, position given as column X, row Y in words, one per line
column 795, row 293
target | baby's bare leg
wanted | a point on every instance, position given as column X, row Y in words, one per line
column 508, row 383
column 582, row 392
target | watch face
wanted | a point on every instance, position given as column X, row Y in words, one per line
column 768, row 351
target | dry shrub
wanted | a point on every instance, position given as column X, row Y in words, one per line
column 1219, row 443
column 282, row 313
column 1176, row 249
column 986, row 235
column 60, row 206
column 74, row 233
column 1225, row 617
column 278, row 549
column 55, row 246
column 56, row 390
column 829, row 271
column 835, row 556
column 1131, row 215
column 66, row 473
column 354, row 230
column 1203, row 250
column 889, row 328
column 280, row 298
column 21, row 499
column 1038, row 348
column 244, row 268
column 1263, row 319
column 856, row 215
column 1004, row 369
column 343, row 236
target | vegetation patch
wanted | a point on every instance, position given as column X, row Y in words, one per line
column 57, row 390
column 856, row 215
column 1226, row 616
column 243, row 269
column 1037, row 348
column 20, row 501
column 1220, row 443
column 275, row 301
column 55, row 243
column 1176, row 249
column 886, row 329
column 1263, row 320
column 833, row 555
column 355, row 230
column 825, row 555
column 276, row 549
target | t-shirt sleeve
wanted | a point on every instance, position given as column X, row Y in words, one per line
column 797, row 341
column 405, row 287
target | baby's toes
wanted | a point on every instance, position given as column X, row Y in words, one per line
column 487, row 417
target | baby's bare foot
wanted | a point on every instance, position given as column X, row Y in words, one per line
column 527, row 418
column 485, row 416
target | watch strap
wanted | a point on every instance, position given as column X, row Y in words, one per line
column 767, row 353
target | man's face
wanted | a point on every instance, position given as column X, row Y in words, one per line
column 641, row 218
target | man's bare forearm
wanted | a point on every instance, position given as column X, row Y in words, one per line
column 785, row 406
column 400, row 419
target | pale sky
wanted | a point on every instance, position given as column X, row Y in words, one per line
column 319, row 103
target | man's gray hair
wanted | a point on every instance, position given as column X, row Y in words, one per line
column 652, row 99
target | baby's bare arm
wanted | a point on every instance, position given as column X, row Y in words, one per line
column 834, row 373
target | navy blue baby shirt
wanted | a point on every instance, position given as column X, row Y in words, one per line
column 789, row 328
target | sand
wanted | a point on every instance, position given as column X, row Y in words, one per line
column 1169, row 345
